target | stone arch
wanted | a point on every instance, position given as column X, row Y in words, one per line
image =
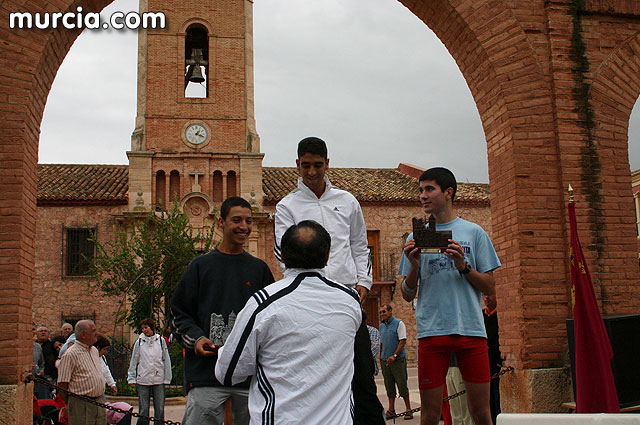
column 614, row 91
column 473, row 35
column 232, row 184
column 34, row 57
column 500, row 48
column 217, row 186
column 175, row 188
column 161, row 190
column 496, row 58
column 197, row 21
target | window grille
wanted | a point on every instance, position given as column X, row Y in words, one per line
column 79, row 251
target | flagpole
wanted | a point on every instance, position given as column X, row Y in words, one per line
column 595, row 384
column 570, row 190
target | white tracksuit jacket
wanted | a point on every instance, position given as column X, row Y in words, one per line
column 339, row 212
column 296, row 338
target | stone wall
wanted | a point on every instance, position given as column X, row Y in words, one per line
column 55, row 294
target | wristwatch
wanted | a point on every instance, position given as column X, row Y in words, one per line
column 394, row 356
column 466, row 270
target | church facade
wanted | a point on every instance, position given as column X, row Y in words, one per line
column 73, row 198
column 195, row 144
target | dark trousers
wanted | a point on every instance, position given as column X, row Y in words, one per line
column 494, row 399
column 367, row 408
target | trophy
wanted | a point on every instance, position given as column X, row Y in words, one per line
column 428, row 239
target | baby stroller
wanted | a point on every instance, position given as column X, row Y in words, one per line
column 47, row 411
column 118, row 418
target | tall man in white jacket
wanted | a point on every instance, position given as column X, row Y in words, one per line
column 340, row 214
column 335, row 209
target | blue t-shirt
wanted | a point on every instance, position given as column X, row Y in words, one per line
column 447, row 303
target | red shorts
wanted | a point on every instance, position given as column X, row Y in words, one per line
column 434, row 355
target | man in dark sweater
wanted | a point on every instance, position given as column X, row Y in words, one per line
column 212, row 291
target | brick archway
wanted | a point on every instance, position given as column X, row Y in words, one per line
column 515, row 57
column 29, row 60
column 615, row 90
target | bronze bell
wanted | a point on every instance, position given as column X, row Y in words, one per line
column 196, row 73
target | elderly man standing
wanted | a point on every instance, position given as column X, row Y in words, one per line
column 81, row 373
column 67, row 330
column 296, row 336
column 49, row 354
column 393, row 359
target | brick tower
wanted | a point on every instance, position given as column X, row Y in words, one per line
column 195, row 140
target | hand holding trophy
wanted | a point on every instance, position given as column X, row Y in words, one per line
column 427, row 238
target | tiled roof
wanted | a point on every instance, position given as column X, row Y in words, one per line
column 82, row 184
column 472, row 193
column 366, row 184
column 108, row 184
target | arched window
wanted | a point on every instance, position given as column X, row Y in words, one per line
column 231, row 183
column 161, row 186
column 174, row 186
column 196, row 55
column 217, row 186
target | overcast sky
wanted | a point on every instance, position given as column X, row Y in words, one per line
column 375, row 83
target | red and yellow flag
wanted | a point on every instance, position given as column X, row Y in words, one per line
column 595, row 386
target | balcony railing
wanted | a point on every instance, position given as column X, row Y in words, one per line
column 386, row 265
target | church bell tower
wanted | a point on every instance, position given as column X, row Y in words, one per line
column 195, row 140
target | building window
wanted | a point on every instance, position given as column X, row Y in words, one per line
column 231, row 184
column 161, row 185
column 196, row 54
column 79, row 251
column 174, row 186
column 75, row 318
column 217, row 186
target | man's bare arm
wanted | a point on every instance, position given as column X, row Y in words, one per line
column 413, row 255
column 65, row 386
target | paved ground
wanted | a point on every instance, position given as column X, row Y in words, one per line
column 175, row 413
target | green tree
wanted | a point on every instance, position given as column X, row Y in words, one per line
column 144, row 262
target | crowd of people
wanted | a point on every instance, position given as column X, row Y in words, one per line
column 74, row 360
column 298, row 350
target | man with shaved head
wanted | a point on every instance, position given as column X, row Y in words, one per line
column 339, row 212
column 80, row 372
column 297, row 337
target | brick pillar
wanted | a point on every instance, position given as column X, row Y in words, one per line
column 29, row 60
column 19, row 130
column 516, row 59
column 17, row 230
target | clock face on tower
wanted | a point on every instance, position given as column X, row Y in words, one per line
column 196, row 133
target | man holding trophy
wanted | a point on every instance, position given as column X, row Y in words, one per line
column 452, row 273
